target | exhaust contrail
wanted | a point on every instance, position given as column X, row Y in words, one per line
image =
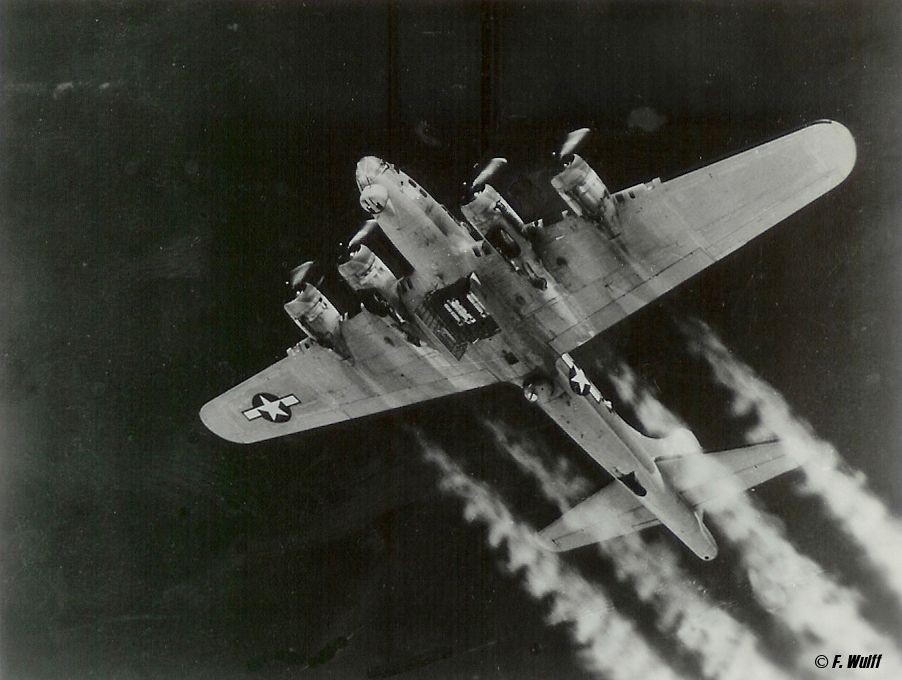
column 559, row 484
column 859, row 513
column 724, row 647
column 609, row 643
column 808, row 602
column 656, row 418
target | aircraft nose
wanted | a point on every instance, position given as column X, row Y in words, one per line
column 367, row 168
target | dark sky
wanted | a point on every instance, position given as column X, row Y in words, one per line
column 163, row 167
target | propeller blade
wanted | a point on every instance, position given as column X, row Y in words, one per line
column 298, row 276
column 574, row 139
column 490, row 169
column 362, row 233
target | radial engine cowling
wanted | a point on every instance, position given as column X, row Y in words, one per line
column 584, row 192
column 488, row 208
column 374, row 198
column 538, row 390
column 316, row 315
column 365, row 271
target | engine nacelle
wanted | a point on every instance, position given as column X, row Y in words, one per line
column 585, row 193
column 538, row 390
column 365, row 271
column 374, row 198
column 488, row 209
column 316, row 315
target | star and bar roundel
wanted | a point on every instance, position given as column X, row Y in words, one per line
column 581, row 385
column 270, row 407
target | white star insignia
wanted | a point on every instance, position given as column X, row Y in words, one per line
column 271, row 408
column 579, row 382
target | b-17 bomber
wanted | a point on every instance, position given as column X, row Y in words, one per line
column 496, row 299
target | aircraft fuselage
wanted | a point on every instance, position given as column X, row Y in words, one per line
column 467, row 294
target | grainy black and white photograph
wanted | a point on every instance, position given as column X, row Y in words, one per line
column 450, row 340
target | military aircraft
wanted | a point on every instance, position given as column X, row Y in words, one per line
column 496, row 299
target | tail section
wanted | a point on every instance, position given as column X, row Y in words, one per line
column 697, row 478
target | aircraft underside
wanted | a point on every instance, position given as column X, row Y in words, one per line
column 497, row 299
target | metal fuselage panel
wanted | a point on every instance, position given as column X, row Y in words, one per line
column 529, row 317
column 428, row 237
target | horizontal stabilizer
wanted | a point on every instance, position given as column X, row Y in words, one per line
column 614, row 511
column 698, row 478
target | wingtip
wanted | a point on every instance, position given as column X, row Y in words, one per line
column 211, row 416
column 545, row 543
column 548, row 538
column 837, row 145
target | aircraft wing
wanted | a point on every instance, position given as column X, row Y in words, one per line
column 673, row 230
column 313, row 386
column 699, row 479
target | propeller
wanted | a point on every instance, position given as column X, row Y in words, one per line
column 362, row 234
column 299, row 276
column 573, row 140
column 488, row 170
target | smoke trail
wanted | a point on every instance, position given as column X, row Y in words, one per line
column 860, row 514
column 609, row 644
column 654, row 416
column 791, row 586
column 724, row 647
column 559, row 485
